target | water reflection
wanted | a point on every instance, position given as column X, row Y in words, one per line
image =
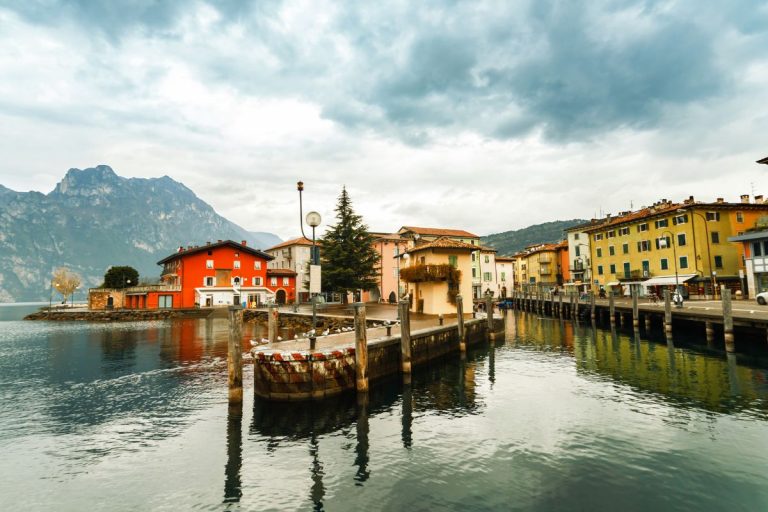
column 232, row 480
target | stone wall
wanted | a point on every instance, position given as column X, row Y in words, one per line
column 116, row 315
column 284, row 376
column 302, row 322
column 97, row 298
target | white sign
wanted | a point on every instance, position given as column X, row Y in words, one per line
column 314, row 279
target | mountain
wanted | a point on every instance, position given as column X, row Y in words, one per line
column 94, row 219
column 510, row 242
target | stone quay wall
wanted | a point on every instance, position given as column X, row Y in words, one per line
column 116, row 315
column 285, row 376
column 303, row 322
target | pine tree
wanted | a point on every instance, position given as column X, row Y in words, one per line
column 348, row 256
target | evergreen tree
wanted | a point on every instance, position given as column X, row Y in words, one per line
column 348, row 256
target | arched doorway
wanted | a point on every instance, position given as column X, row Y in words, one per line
column 110, row 303
column 280, row 297
column 375, row 295
column 392, row 297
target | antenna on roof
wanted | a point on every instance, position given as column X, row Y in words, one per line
column 631, row 205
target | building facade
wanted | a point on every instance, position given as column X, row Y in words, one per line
column 505, row 271
column 389, row 246
column 295, row 255
column 542, row 265
column 670, row 244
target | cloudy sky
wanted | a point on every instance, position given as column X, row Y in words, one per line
column 479, row 115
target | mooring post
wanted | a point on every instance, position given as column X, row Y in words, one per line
column 725, row 297
column 560, row 305
column 272, row 323
column 592, row 305
column 460, row 321
column 361, row 348
column 440, row 319
column 667, row 313
column 405, row 336
column 235, row 354
column 489, row 313
column 635, row 309
column 611, row 307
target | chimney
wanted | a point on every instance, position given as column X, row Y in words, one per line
column 219, row 241
column 244, row 242
column 181, row 249
column 690, row 198
column 207, row 243
column 745, row 198
column 720, row 200
column 758, row 199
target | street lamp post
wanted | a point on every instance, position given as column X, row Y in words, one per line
column 663, row 245
column 712, row 272
column 313, row 219
column 50, row 299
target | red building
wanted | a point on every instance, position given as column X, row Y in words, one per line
column 219, row 274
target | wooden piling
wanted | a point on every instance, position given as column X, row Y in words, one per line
column 235, row 355
column 440, row 319
column 667, row 313
column 709, row 330
column 560, row 305
column 635, row 310
column 489, row 313
column 273, row 322
column 405, row 336
column 460, row 321
column 592, row 305
column 725, row 297
column 361, row 348
column 612, row 307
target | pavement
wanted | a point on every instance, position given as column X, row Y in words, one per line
column 744, row 309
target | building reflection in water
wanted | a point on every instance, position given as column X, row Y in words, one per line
column 361, row 448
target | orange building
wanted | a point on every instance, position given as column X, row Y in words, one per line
column 212, row 275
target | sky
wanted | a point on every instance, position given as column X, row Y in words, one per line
column 479, row 115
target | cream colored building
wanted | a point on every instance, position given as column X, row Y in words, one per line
column 505, row 274
column 425, row 269
column 294, row 255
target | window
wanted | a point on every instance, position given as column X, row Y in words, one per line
column 611, row 250
column 713, row 216
column 611, row 234
column 210, row 253
column 453, row 261
column 273, row 281
column 473, row 256
column 643, row 246
column 599, row 270
column 718, row 262
column 578, row 252
column 662, row 223
column 474, row 272
column 613, row 268
column 503, row 276
column 681, row 239
column 664, row 264
column 487, row 259
column 598, row 236
column 715, row 237
column 642, row 227
column 256, row 281
column 286, row 281
column 683, row 261
column 257, row 265
column 236, row 264
column 625, row 249
column 165, row 301
column 486, row 276
column 646, row 268
column 679, row 219
column 663, row 243
column 599, row 252
column 624, row 231
column 576, row 236
column 739, row 217
column 626, row 269
column 208, row 263
column 756, row 249
column 210, row 281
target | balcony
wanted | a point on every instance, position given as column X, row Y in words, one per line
column 634, row 275
column 545, row 258
column 545, row 270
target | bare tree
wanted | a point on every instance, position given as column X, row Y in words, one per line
column 65, row 282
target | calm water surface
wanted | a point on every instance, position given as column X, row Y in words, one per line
column 133, row 416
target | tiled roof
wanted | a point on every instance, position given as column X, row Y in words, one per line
column 438, row 232
column 296, row 241
column 651, row 211
column 386, row 236
column 443, row 243
column 193, row 250
column 280, row 272
column 505, row 258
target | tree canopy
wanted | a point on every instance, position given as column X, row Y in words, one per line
column 348, row 257
column 65, row 281
column 121, row 277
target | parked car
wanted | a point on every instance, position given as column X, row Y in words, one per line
column 762, row 298
column 504, row 304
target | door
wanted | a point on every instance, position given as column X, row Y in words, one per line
column 235, row 300
column 280, row 297
column 392, row 297
column 209, row 301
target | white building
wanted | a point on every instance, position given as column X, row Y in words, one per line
column 294, row 255
column 486, row 258
column 505, row 276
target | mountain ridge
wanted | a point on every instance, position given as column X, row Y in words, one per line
column 510, row 242
column 94, row 218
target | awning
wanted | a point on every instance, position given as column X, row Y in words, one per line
column 667, row 280
column 613, row 283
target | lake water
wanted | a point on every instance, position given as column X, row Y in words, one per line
column 133, row 416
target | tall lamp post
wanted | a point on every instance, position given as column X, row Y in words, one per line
column 663, row 245
column 712, row 272
column 313, row 219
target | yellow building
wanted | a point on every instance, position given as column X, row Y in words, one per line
column 540, row 265
column 687, row 243
column 435, row 272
